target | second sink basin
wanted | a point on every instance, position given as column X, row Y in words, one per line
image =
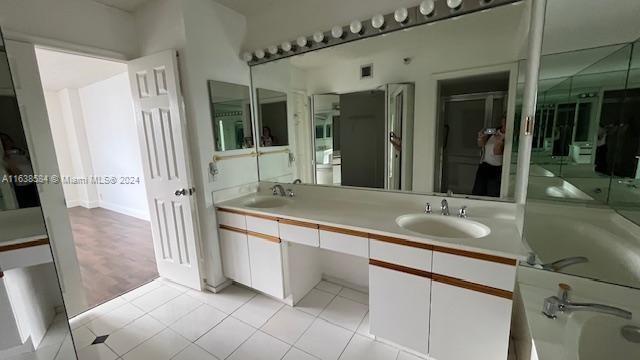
column 264, row 202
column 443, row 226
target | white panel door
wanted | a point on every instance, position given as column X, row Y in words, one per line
column 265, row 257
column 467, row 324
column 165, row 158
column 399, row 307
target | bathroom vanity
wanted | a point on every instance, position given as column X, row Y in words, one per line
column 435, row 281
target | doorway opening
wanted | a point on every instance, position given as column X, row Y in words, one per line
column 91, row 114
column 471, row 128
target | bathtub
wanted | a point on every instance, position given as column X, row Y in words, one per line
column 611, row 242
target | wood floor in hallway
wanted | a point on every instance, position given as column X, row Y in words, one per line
column 115, row 252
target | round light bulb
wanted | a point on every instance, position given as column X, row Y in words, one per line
column 285, row 46
column 377, row 21
column 454, row 4
column 259, row 53
column 355, row 26
column 273, row 50
column 301, row 41
column 427, row 7
column 318, row 37
column 401, row 15
column 246, row 56
column 337, row 32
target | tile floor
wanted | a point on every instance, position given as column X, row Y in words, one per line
column 162, row 320
column 56, row 344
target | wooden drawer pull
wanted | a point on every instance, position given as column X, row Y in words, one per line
column 472, row 286
column 343, row 231
column 231, row 228
column 400, row 268
column 298, row 223
column 264, row 236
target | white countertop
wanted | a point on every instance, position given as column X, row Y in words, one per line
column 380, row 218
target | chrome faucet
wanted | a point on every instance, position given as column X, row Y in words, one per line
column 427, row 209
column 444, row 207
column 554, row 305
column 278, row 189
column 462, row 213
column 297, row 181
column 558, row 264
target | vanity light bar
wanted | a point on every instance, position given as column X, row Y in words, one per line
column 401, row 19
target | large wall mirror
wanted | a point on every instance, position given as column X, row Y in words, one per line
column 582, row 211
column 390, row 112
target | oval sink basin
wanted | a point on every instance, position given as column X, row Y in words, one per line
column 601, row 337
column 442, row 226
column 264, row 202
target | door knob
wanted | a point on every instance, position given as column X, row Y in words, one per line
column 181, row 192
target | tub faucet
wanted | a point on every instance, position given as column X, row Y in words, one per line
column 444, row 207
column 554, row 305
column 560, row 264
column 297, row 181
column 278, row 189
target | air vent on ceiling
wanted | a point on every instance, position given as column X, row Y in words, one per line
column 366, row 71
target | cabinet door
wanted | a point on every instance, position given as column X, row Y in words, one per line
column 265, row 257
column 467, row 324
column 9, row 333
column 235, row 256
column 399, row 307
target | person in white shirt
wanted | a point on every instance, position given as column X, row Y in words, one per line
column 489, row 173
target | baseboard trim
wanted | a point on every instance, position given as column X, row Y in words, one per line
column 26, row 347
column 216, row 289
column 345, row 283
column 124, row 210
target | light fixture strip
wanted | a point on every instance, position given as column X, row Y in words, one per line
column 442, row 12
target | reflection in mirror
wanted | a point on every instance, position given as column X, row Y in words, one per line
column 33, row 324
column 272, row 116
column 231, row 113
column 17, row 189
column 389, row 113
column 584, row 166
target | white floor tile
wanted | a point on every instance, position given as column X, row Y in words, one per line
column 363, row 329
column 288, row 324
column 116, row 319
column 258, row 310
column 96, row 352
column 361, row 347
column 56, row 333
column 314, row 302
column 260, row 346
column 198, row 322
column 329, row 287
column 85, row 317
column 297, row 354
column 324, row 340
column 194, row 352
column 228, row 300
column 357, row 296
column 162, row 346
column 406, row 356
column 344, row 312
column 168, row 282
column 139, row 291
column 225, row 338
column 82, row 337
column 156, row 297
column 132, row 335
column 175, row 309
column 66, row 352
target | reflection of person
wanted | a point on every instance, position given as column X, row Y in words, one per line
column 489, row 173
column 16, row 161
column 266, row 139
column 601, row 151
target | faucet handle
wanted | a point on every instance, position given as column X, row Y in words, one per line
column 463, row 211
column 563, row 291
column 290, row 193
column 428, row 209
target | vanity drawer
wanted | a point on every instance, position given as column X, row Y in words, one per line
column 496, row 272
column 344, row 241
column 231, row 219
column 405, row 255
column 299, row 232
column 263, row 225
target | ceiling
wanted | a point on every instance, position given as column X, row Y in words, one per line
column 252, row 7
column 60, row 70
column 126, row 5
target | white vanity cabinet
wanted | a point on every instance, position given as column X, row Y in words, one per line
column 265, row 257
column 468, row 324
column 299, row 232
column 399, row 305
column 344, row 241
column 234, row 248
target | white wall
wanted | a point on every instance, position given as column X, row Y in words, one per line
column 79, row 22
column 159, row 26
column 113, row 144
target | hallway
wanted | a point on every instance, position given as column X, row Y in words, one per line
column 115, row 252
